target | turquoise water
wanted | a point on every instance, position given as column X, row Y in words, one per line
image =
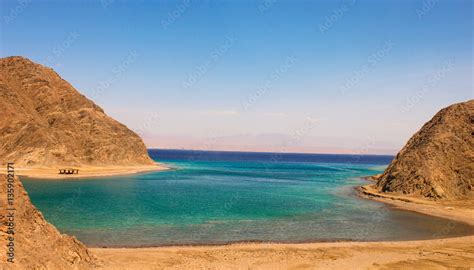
column 211, row 198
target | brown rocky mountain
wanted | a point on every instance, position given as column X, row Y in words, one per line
column 438, row 161
column 37, row 244
column 45, row 122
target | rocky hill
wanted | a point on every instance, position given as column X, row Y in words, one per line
column 438, row 161
column 37, row 244
column 45, row 122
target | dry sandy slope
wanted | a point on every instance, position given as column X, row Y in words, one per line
column 38, row 244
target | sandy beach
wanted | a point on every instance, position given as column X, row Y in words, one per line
column 427, row 254
column 87, row 172
column 431, row 254
column 459, row 210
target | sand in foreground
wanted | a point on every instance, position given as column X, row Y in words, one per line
column 427, row 254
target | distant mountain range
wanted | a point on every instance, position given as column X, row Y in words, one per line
column 272, row 142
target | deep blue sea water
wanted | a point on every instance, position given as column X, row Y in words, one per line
column 222, row 197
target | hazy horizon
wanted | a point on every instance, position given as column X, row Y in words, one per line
column 352, row 77
column 272, row 143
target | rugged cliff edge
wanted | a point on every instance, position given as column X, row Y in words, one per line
column 45, row 122
column 438, row 161
column 37, row 244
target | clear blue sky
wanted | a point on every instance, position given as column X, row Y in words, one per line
column 243, row 75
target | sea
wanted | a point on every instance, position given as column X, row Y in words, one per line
column 209, row 197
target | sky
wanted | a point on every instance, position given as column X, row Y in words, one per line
column 268, row 75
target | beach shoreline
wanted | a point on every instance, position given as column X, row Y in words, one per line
column 448, row 252
column 452, row 252
column 357, row 193
column 89, row 172
column 461, row 210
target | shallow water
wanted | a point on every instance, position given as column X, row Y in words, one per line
column 222, row 197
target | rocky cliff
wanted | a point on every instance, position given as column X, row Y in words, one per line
column 45, row 122
column 438, row 161
column 36, row 243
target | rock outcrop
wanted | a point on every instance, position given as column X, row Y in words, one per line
column 438, row 161
column 45, row 122
column 37, row 244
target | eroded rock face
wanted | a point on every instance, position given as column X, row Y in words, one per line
column 46, row 122
column 37, row 244
column 438, row 161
